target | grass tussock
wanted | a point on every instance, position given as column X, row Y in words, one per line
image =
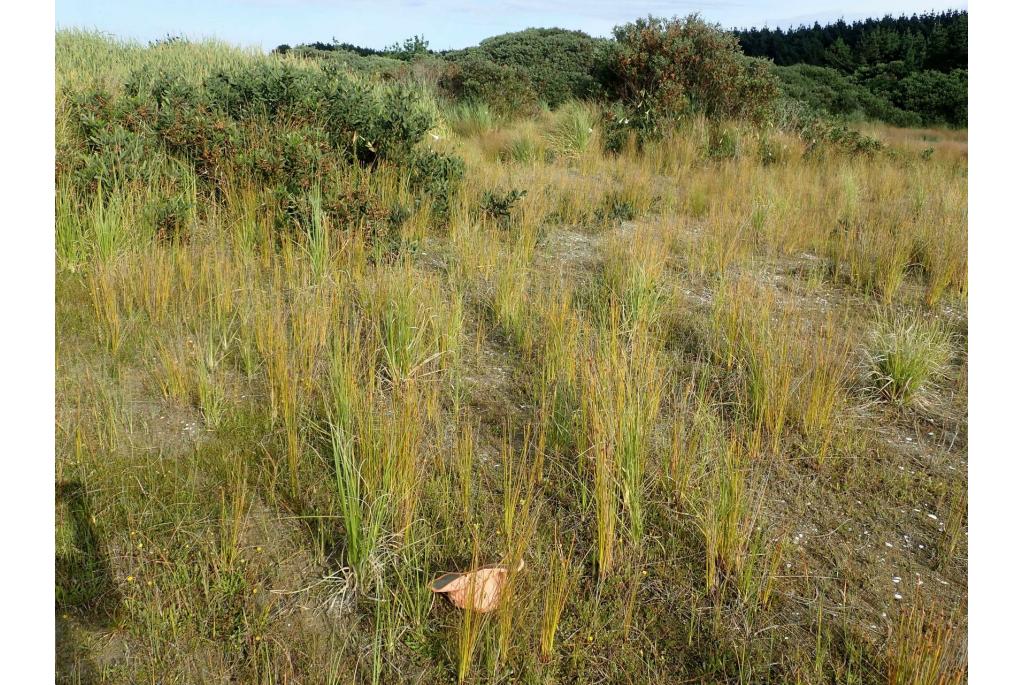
column 906, row 355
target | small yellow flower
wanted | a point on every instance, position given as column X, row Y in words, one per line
column 130, row 579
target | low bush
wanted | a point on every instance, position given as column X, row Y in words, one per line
column 506, row 90
column 831, row 92
column 498, row 206
column 289, row 127
column 439, row 175
column 561, row 65
column 671, row 68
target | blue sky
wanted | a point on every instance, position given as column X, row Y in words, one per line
column 445, row 23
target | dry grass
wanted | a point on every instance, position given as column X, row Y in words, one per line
column 644, row 384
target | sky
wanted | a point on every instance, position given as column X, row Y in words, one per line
column 444, row 23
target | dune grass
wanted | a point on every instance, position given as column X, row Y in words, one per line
column 277, row 421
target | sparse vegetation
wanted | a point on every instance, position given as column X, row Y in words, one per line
column 326, row 330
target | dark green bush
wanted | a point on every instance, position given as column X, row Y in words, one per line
column 832, row 92
column 499, row 206
column 505, row 89
column 622, row 124
column 665, row 69
column 937, row 97
column 616, row 206
column 560, row 64
column 169, row 215
column 819, row 132
column 439, row 175
column 286, row 127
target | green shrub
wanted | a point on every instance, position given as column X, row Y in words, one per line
column 561, row 65
column 937, row 97
column 819, row 131
column 505, row 89
column 439, row 175
column 829, row 91
column 170, row 215
column 499, row 206
column 286, row 126
column 616, row 206
column 769, row 150
column 623, row 124
column 670, row 68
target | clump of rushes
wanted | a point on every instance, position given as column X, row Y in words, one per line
column 69, row 230
column 471, row 624
column 471, row 119
column 210, row 390
column 282, row 380
column 820, row 392
column 411, row 313
column 560, row 580
column 511, row 306
column 519, row 523
column 748, row 335
column 556, row 383
column 633, row 277
column 519, row 493
column 906, row 354
column 622, row 395
column 464, row 467
column 696, row 438
column 572, row 130
column 107, row 307
column 362, row 511
column 956, row 519
column 926, row 649
column 728, row 522
column 317, row 239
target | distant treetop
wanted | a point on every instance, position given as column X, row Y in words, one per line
column 935, row 41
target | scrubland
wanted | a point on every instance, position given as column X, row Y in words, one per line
column 712, row 390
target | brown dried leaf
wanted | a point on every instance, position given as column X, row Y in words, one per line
column 478, row 590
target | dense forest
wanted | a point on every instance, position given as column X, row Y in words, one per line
column 935, row 41
column 904, row 70
column 907, row 71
